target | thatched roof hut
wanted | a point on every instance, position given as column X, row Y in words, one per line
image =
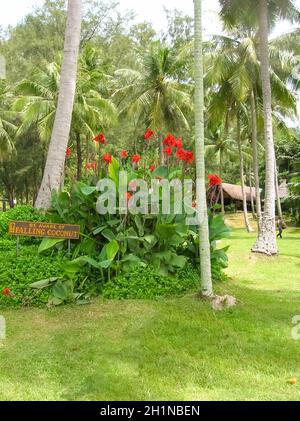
column 234, row 192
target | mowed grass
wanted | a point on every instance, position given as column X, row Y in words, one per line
column 170, row 349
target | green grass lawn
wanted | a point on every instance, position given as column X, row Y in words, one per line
column 167, row 349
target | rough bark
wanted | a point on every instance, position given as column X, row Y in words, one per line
column 206, row 279
column 241, row 158
column 255, row 159
column 79, row 156
column 266, row 241
column 54, row 169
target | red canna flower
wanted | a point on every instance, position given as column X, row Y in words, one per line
column 189, row 157
column 169, row 140
column 107, row 158
column 6, row 292
column 180, row 154
column 128, row 196
column 178, row 143
column 136, row 159
column 152, row 168
column 68, row 152
column 123, row 154
column 88, row 166
column 168, row 150
column 94, row 165
column 214, row 180
column 100, row 138
column 148, row 133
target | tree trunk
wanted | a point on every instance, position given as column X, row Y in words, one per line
column 79, row 156
column 54, row 169
column 266, row 241
column 255, row 159
column 245, row 210
column 87, row 154
column 251, row 194
column 279, row 209
column 206, row 280
column 221, row 186
column 11, row 199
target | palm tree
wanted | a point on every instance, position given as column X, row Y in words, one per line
column 7, row 128
column 206, row 279
column 153, row 95
column 54, row 169
column 233, row 11
column 37, row 99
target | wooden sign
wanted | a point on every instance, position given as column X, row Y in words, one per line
column 44, row 230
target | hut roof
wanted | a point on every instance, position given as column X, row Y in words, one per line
column 235, row 191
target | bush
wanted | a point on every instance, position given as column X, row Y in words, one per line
column 19, row 213
column 145, row 283
column 17, row 273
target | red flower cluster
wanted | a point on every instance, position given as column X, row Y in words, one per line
column 148, row 133
column 172, row 141
column 214, row 180
column 6, row 292
column 107, row 158
column 123, row 154
column 100, row 138
column 135, row 159
column 152, row 168
column 91, row 165
column 68, row 152
column 168, row 151
column 185, row 156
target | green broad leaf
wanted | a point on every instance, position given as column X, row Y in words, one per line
column 83, row 260
column 161, row 171
column 61, row 290
column 54, row 301
column 178, row 261
column 108, row 234
column 44, row 283
column 105, row 264
column 112, row 249
column 99, row 229
column 113, row 171
column 48, row 243
column 87, row 190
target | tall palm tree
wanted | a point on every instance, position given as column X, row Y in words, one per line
column 206, row 279
column 37, row 99
column 268, row 11
column 54, row 169
column 152, row 94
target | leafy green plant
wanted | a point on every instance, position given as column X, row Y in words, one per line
column 146, row 283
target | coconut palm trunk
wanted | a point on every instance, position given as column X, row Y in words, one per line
column 266, row 241
column 206, row 280
column 245, row 210
column 255, row 159
column 251, row 194
column 54, row 169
